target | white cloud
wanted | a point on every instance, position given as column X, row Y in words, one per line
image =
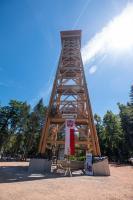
column 93, row 69
column 117, row 35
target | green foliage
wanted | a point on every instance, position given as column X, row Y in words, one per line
column 5, row 114
column 100, row 132
column 78, row 158
column 20, row 127
column 115, row 132
column 110, row 135
column 126, row 115
column 131, row 95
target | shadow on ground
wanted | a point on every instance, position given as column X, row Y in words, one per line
column 20, row 173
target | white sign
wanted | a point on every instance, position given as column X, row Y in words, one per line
column 70, row 123
column 88, row 164
column 69, row 116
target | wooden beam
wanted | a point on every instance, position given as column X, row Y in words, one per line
column 61, row 120
column 63, row 142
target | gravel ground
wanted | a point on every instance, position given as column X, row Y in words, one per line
column 17, row 184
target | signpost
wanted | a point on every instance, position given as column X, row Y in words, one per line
column 88, row 164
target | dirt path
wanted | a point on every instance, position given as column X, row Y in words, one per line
column 16, row 184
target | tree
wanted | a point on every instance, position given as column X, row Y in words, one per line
column 131, row 95
column 100, row 132
column 5, row 113
column 34, row 129
column 20, row 128
column 17, row 126
column 112, row 135
column 126, row 116
column 40, row 112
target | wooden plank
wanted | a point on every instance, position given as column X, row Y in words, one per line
column 61, row 120
column 63, row 142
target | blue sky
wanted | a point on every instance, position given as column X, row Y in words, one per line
column 30, row 47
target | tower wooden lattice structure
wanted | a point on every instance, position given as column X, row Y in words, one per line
column 70, row 99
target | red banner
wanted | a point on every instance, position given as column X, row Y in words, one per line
column 72, row 142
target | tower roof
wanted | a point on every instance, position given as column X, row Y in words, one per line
column 70, row 34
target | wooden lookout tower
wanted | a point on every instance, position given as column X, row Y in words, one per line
column 70, row 99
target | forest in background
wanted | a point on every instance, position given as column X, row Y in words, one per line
column 21, row 126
